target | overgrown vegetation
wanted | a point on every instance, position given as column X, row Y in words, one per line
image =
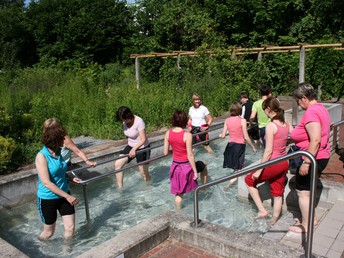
column 70, row 59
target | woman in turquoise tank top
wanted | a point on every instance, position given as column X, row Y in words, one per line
column 53, row 192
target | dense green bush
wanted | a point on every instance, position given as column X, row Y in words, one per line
column 7, row 149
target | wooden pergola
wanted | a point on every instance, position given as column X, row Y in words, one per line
column 301, row 48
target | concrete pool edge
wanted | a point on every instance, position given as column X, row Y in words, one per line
column 10, row 250
column 210, row 237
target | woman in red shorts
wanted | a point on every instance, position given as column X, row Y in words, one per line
column 276, row 141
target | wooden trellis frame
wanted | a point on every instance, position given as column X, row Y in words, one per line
column 301, row 48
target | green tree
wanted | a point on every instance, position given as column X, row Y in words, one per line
column 83, row 30
column 17, row 45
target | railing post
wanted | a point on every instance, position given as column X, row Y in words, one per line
column 137, row 73
column 87, row 210
column 334, row 137
column 313, row 189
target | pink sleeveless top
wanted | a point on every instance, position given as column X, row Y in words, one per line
column 280, row 141
column 234, row 128
column 178, row 146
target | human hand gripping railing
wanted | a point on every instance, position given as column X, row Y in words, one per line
column 313, row 169
column 87, row 181
column 84, row 183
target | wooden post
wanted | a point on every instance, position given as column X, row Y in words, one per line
column 301, row 80
column 302, row 64
column 233, row 54
column 178, row 61
column 260, row 56
column 137, row 73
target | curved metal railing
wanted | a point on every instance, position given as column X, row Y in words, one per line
column 197, row 221
column 335, row 139
column 85, row 182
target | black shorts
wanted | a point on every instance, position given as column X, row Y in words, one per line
column 140, row 155
column 48, row 209
column 303, row 183
column 204, row 136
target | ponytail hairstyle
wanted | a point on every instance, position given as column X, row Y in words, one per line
column 274, row 105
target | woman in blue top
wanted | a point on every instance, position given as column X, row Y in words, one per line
column 53, row 192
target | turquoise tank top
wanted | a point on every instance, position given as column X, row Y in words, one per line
column 57, row 169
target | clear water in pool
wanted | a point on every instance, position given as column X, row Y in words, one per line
column 113, row 212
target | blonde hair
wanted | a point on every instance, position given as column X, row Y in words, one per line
column 51, row 122
column 196, row 96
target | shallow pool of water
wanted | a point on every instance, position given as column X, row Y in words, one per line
column 112, row 211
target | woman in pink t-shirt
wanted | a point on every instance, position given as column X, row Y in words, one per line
column 312, row 134
column 276, row 141
column 183, row 171
column 134, row 129
column 234, row 155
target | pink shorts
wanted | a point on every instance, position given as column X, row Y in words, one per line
column 275, row 175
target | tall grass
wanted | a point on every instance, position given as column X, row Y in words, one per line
column 86, row 99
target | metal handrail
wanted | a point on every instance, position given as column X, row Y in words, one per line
column 213, row 128
column 84, row 183
column 335, row 126
column 313, row 169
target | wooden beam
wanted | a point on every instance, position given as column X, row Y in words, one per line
column 240, row 51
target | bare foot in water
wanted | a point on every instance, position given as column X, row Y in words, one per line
column 232, row 181
column 297, row 229
column 262, row 215
column 273, row 220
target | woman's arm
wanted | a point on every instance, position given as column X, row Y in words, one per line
column 42, row 169
column 270, row 130
column 68, row 143
column 191, row 158
column 246, row 136
column 166, row 144
column 143, row 137
column 209, row 119
column 224, row 131
column 314, row 133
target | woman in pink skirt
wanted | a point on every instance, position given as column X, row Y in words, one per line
column 183, row 172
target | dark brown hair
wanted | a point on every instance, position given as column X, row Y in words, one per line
column 53, row 134
column 179, row 119
column 274, row 105
column 124, row 113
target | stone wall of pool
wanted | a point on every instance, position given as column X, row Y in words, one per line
column 219, row 240
column 20, row 188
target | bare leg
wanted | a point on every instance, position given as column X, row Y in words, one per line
column 69, row 225
column 144, row 172
column 232, row 181
column 178, row 201
column 118, row 165
column 48, row 231
column 209, row 149
column 204, row 176
column 262, row 212
column 277, row 209
column 304, row 197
